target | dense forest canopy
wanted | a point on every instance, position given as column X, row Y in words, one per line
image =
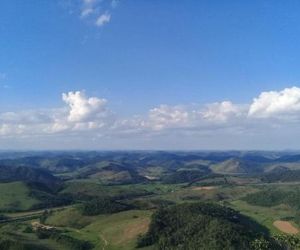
column 202, row 226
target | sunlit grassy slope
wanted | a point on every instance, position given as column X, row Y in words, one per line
column 15, row 196
column 111, row 232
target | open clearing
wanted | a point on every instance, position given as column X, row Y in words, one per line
column 285, row 227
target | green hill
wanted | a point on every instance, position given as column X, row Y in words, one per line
column 202, row 226
column 15, row 196
column 236, row 166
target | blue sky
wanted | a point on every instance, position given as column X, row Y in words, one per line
column 189, row 56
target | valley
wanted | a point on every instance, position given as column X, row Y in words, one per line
column 129, row 200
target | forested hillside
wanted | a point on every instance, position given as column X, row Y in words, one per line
column 149, row 200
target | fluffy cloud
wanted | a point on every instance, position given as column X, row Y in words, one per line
column 221, row 111
column 83, row 108
column 193, row 118
column 276, row 103
column 103, row 19
column 81, row 113
column 82, row 116
column 11, row 129
column 167, row 116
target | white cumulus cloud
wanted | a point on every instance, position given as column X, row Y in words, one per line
column 276, row 103
column 83, row 117
column 166, row 116
column 83, row 108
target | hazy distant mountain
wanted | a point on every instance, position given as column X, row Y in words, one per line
column 27, row 174
column 237, row 166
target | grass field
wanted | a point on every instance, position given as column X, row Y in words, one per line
column 120, row 231
column 215, row 194
column 15, row 196
column 70, row 217
column 106, row 232
column 264, row 215
column 110, row 232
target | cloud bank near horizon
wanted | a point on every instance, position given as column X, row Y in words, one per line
column 272, row 116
